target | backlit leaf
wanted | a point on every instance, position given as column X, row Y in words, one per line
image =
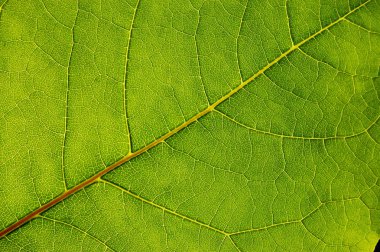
column 189, row 125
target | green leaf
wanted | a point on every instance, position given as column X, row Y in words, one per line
column 189, row 125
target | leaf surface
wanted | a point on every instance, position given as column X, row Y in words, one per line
column 189, row 125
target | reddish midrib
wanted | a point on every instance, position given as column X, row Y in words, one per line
column 63, row 196
column 92, row 179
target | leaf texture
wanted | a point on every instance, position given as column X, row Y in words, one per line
column 186, row 125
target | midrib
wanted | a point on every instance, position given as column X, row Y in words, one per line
column 130, row 156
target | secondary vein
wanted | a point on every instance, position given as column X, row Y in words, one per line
column 125, row 75
column 64, row 139
column 164, row 208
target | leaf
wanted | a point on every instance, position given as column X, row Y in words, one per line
column 189, row 125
